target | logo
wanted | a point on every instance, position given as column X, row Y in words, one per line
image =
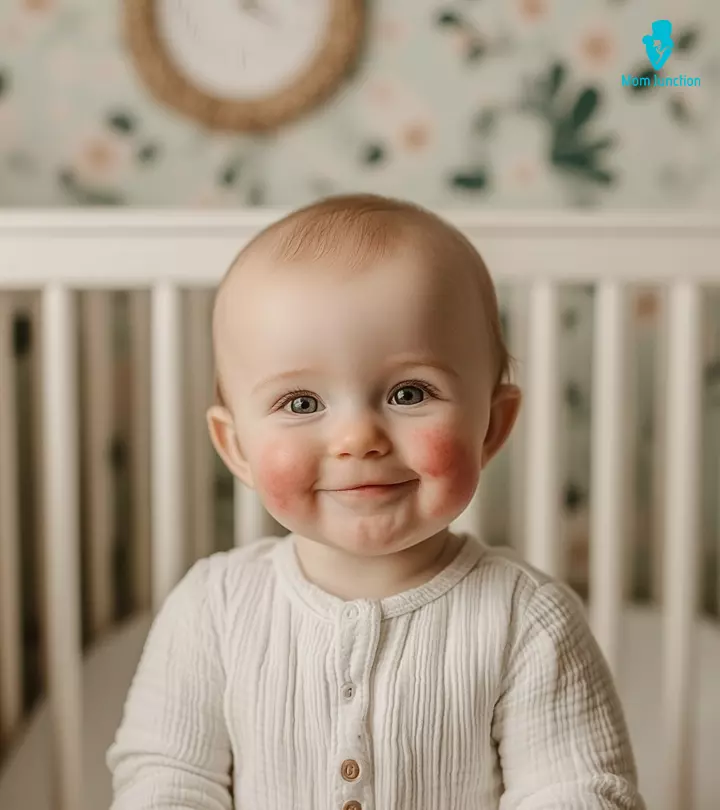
column 659, row 47
column 659, row 44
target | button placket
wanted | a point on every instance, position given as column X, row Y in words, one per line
column 355, row 634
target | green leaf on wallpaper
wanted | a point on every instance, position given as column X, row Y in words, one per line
column 449, row 18
column 585, row 107
column 475, row 52
column 601, row 176
column 679, row 111
column 484, row 122
column 148, row 153
column 687, row 40
column 581, row 161
column 229, row 175
column 256, row 194
column 373, row 153
column 574, row 159
column 86, row 196
column 471, row 180
column 602, row 143
column 557, row 74
column 4, row 83
column 121, row 122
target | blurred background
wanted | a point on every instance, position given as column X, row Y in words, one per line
column 465, row 104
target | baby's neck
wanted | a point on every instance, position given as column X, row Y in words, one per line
column 350, row 577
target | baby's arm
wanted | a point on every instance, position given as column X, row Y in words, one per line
column 559, row 726
column 172, row 750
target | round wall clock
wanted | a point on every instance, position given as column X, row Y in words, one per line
column 243, row 65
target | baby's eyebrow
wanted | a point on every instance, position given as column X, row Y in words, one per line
column 393, row 363
column 405, row 361
column 285, row 375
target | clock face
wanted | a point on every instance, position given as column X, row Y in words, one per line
column 242, row 49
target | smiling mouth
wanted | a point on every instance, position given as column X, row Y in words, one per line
column 374, row 490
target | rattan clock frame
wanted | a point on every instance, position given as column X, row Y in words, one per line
column 329, row 67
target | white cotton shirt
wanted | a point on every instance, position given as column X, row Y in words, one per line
column 482, row 689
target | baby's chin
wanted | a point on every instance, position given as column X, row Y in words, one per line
column 365, row 540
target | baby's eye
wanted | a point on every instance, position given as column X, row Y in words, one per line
column 409, row 395
column 305, row 403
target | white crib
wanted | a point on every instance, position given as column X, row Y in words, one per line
column 666, row 657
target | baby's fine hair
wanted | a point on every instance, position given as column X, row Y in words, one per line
column 349, row 233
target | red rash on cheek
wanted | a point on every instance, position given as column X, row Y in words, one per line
column 441, row 452
column 282, row 476
column 445, row 457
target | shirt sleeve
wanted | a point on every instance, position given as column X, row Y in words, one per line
column 172, row 750
column 559, row 728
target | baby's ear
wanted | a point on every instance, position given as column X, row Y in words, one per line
column 503, row 413
column 223, row 435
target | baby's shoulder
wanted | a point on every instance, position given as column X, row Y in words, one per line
column 505, row 565
column 503, row 578
column 253, row 561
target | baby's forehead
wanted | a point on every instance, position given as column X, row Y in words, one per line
column 429, row 251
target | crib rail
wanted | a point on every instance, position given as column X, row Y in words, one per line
column 58, row 254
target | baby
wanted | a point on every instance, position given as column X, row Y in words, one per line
column 372, row 659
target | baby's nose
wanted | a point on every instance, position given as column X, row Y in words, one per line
column 360, row 436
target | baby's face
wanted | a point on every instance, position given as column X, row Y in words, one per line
column 379, row 378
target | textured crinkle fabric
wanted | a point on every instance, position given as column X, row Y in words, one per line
column 482, row 689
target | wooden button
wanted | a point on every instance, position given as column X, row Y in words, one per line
column 352, row 805
column 350, row 771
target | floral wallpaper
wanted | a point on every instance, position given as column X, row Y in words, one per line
column 498, row 104
column 456, row 102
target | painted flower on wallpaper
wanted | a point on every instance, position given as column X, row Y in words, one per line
column 100, row 158
column 516, row 156
column 528, row 15
column 471, row 39
column 549, row 131
column 568, row 111
column 398, row 120
column 392, row 30
column 532, row 10
column 64, row 69
column 39, row 6
column 597, row 48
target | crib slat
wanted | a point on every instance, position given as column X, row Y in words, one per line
column 682, row 542
column 140, row 360
column 607, row 485
column 541, row 523
column 97, row 347
column 168, row 557
column 200, row 389
column 661, row 337
column 62, row 539
column 11, row 660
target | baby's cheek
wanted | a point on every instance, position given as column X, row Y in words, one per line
column 448, row 461
column 283, row 475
